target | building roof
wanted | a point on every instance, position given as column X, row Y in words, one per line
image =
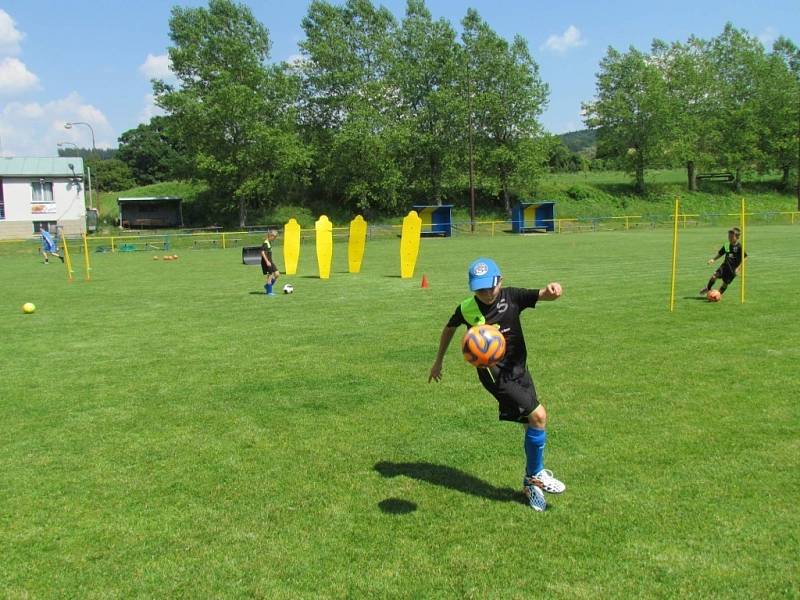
column 151, row 199
column 18, row 166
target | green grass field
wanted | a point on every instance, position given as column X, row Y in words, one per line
column 169, row 431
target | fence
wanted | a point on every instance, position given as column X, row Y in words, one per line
column 195, row 240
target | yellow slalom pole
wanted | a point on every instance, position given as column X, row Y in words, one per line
column 742, row 220
column 67, row 260
column 87, row 267
column 674, row 254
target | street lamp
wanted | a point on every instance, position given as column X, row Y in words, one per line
column 69, row 126
column 62, row 144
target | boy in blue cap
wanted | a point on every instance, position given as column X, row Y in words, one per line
column 509, row 381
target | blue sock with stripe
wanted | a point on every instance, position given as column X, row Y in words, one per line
column 534, row 450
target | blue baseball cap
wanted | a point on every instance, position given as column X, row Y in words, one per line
column 483, row 273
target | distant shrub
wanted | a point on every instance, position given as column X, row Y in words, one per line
column 580, row 192
column 282, row 214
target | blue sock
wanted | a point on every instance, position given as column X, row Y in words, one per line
column 534, row 450
column 268, row 287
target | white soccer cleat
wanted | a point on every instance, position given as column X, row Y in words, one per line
column 547, row 482
column 533, row 492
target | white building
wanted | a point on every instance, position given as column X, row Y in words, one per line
column 41, row 191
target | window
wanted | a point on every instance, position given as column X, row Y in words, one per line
column 42, row 191
column 46, row 225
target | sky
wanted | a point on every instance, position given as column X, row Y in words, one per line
column 92, row 61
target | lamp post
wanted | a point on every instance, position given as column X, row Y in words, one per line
column 62, row 144
column 69, row 125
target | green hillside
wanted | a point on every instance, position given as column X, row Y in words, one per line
column 578, row 141
column 589, row 194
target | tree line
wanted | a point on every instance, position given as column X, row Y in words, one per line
column 724, row 103
column 377, row 113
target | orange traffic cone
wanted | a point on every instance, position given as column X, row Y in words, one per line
column 424, row 281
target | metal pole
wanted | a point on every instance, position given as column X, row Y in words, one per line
column 743, row 219
column 70, row 124
column 674, row 255
column 471, row 156
column 86, row 265
column 89, row 170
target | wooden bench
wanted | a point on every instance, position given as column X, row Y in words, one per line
column 725, row 177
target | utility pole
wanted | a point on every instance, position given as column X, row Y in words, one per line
column 471, row 157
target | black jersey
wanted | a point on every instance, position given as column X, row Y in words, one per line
column 266, row 248
column 733, row 254
column 505, row 313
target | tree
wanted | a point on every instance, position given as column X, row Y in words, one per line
column 110, row 175
column 152, row 153
column 781, row 93
column 234, row 115
column 558, row 155
column 505, row 96
column 630, row 113
column 690, row 131
column 430, row 112
column 348, row 111
column 738, row 64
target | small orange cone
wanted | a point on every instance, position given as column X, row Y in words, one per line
column 424, row 281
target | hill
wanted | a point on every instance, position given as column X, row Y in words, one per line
column 578, row 141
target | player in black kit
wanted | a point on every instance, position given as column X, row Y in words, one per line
column 268, row 267
column 509, row 381
column 732, row 251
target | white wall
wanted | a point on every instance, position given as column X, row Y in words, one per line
column 69, row 200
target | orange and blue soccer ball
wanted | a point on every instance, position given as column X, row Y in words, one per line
column 714, row 296
column 483, row 346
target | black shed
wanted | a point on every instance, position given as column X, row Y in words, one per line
column 150, row 213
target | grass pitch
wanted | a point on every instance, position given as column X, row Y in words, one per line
column 167, row 430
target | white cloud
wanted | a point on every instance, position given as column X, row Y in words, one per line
column 34, row 129
column 768, row 36
column 571, row 38
column 15, row 77
column 156, row 67
column 150, row 109
column 10, row 36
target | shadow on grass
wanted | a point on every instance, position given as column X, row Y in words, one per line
column 701, row 298
column 450, row 478
column 396, row 506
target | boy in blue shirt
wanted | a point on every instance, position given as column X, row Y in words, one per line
column 48, row 245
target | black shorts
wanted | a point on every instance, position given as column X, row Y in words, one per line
column 266, row 270
column 726, row 273
column 514, row 391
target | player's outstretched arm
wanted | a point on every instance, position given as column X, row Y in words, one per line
column 444, row 343
column 552, row 291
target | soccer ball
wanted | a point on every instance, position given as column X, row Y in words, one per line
column 714, row 296
column 28, row 308
column 483, row 346
column 288, row 288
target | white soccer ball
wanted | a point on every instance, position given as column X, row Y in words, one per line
column 288, row 288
